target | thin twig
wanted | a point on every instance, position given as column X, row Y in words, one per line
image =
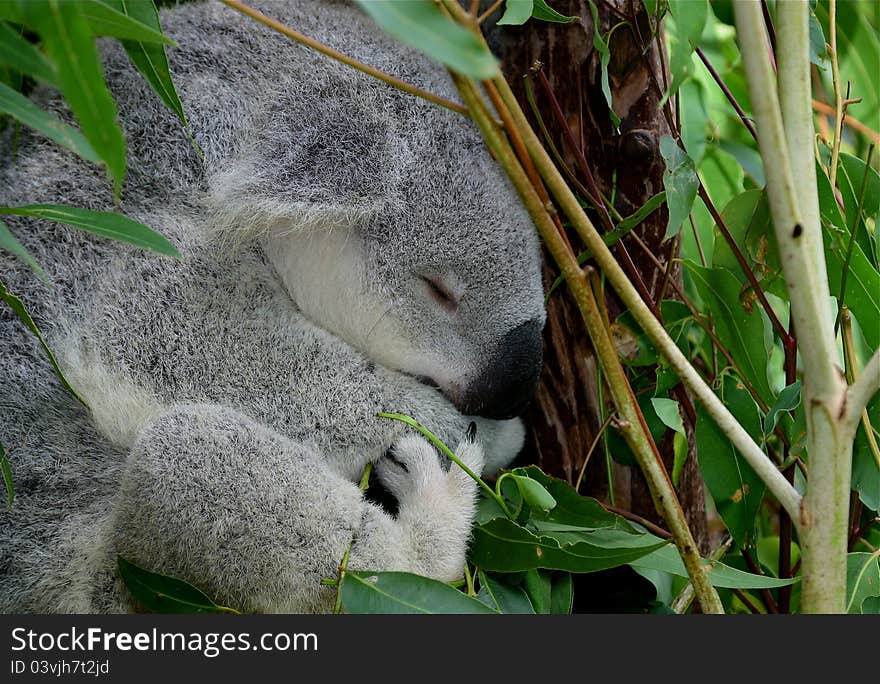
column 489, row 12
column 580, row 477
column 850, row 121
column 856, row 222
column 747, row 122
column 345, row 59
column 838, row 98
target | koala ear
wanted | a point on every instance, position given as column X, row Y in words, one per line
column 330, row 156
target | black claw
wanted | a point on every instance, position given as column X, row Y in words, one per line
column 471, row 434
column 391, row 456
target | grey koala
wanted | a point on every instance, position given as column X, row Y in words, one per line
column 347, row 249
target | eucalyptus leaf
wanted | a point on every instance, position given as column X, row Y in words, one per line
column 722, row 576
column 503, row 546
column 423, row 25
column 19, row 53
column 862, row 579
column 19, row 309
column 532, row 492
column 735, row 488
column 680, row 182
column 544, row 12
column 11, row 244
column 404, row 593
column 604, row 59
column 19, row 107
column 7, row 477
column 70, row 44
column 738, row 323
column 502, row 596
column 103, row 223
column 161, row 594
column 113, row 18
column 561, row 593
column 516, row 12
column 788, row 400
column 149, row 58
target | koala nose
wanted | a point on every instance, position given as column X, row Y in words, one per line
column 510, row 378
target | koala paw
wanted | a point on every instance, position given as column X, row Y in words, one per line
column 412, row 468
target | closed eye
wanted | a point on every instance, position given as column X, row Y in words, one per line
column 441, row 293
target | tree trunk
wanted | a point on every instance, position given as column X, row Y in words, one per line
column 565, row 416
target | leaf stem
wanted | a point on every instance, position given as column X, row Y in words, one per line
column 343, row 564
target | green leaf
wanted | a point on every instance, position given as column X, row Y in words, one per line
column 576, row 511
column 539, row 588
column 532, row 492
column 862, row 579
column 544, row 12
column 667, row 411
column 871, row 606
column 734, row 486
column 11, row 244
column 818, row 46
column 70, row 44
column 747, row 217
column 722, row 576
column 643, row 212
column 404, row 593
column 421, row 24
column 19, row 107
column 503, row 597
column 501, row 545
column 788, row 400
column 7, row 478
column 561, row 593
column 110, row 18
column 680, row 182
column 149, row 58
column 516, row 12
column 605, row 58
column 19, row 53
column 162, row 594
column 865, row 469
column 690, row 19
column 19, row 309
column 738, row 325
column 103, row 223
column 850, row 180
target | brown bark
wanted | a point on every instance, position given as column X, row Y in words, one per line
column 565, row 415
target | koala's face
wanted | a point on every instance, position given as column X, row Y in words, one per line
column 459, row 275
column 444, row 283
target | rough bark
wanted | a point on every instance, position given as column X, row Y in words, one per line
column 565, row 416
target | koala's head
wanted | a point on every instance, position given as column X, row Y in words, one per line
column 393, row 228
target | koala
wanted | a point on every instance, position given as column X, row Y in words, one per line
column 347, row 249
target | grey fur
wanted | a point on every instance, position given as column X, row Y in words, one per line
column 232, row 396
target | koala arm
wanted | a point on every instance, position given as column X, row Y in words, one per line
column 256, row 520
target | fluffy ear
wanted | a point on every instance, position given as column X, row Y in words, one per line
column 315, row 156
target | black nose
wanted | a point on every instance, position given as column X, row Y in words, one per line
column 510, row 377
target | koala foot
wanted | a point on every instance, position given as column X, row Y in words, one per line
column 436, row 506
column 412, row 468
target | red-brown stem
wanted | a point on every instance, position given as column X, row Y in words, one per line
column 729, row 95
column 785, row 524
column 766, row 596
column 629, row 515
column 747, row 601
column 744, row 265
